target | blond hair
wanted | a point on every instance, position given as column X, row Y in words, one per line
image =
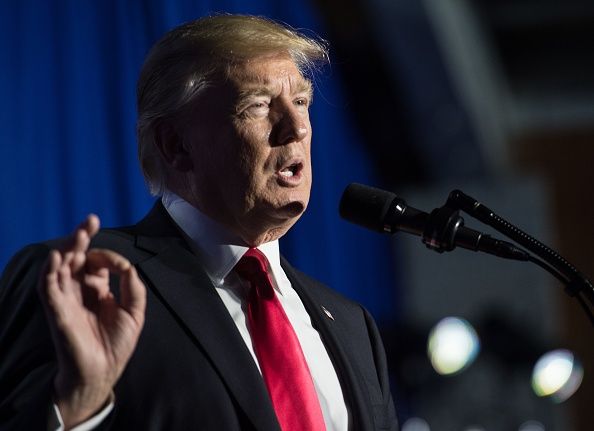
column 187, row 60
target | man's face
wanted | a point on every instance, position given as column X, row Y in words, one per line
column 250, row 149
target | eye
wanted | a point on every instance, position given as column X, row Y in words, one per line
column 302, row 101
column 256, row 108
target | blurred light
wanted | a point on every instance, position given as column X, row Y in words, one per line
column 474, row 428
column 557, row 374
column 453, row 345
column 531, row 426
column 415, row 424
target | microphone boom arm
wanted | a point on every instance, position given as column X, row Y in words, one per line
column 575, row 282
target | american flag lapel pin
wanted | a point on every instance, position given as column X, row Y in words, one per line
column 327, row 313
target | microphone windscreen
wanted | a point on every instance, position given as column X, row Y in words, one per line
column 365, row 206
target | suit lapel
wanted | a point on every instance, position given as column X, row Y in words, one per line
column 175, row 275
column 335, row 339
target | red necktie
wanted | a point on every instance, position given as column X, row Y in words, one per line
column 278, row 350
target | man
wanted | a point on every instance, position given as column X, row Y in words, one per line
column 207, row 326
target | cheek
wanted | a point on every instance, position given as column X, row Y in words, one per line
column 307, row 151
column 253, row 149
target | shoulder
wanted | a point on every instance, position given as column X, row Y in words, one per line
column 122, row 240
column 30, row 259
column 22, row 270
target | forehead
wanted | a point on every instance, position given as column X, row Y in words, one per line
column 273, row 72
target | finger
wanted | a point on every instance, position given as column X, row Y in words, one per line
column 99, row 284
column 132, row 290
column 98, row 264
column 99, row 258
column 52, row 298
column 49, row 269
column 90, row 225
column 67, row 259
column 80, row 238
column 48, row 278
column 94, row 279
column 70, row 284
column 64, row 272
column 133, row 295
column 50, row 290
column 77, row 262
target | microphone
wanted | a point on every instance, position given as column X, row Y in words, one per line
column 442, row 230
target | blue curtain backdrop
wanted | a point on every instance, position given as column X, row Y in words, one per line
column 67, row 133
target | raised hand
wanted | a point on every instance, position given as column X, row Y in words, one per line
column 94, row 335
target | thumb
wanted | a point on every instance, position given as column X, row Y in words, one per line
column 133, row 294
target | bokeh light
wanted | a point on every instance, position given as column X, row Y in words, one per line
column 531, row 426
column 452, row 346
column 415, row 424
column 557, row 374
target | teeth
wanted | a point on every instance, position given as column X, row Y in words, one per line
column 287, row 173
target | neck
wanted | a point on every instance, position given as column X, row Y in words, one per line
column 264, row 237
column 251, row 234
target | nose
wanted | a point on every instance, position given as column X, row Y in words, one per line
column 292, row 126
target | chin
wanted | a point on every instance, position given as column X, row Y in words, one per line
column 294, row 209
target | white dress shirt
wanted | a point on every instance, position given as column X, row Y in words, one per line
column 219, row 251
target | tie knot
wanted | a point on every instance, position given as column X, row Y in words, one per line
column 253, row 267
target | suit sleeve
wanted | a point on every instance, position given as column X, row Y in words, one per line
column 27, row 365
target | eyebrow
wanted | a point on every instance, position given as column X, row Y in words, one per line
column 265, row 89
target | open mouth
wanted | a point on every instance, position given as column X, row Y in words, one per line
column 292, row 170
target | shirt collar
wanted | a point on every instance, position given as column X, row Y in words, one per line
column 219, row 249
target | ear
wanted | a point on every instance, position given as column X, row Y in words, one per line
column 170, row 145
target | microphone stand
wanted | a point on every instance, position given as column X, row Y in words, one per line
column 576, row 284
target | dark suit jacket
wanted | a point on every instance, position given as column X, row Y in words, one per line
column 191, row 368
